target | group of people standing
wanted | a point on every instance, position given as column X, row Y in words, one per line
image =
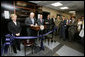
column 14, row 27
column 68, row 28
column 61, row 23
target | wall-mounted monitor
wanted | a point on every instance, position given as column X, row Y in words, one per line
column 6, row 14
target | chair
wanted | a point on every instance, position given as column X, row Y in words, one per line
column 28, row 44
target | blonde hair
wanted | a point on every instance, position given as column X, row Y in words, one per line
column 13, row 15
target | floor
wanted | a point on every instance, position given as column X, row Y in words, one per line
column 56, row 48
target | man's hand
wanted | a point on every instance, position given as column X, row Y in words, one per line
column 31, row 25
column 36, row 25
column 42, row 27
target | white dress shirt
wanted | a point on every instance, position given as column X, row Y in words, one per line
column 32, row 21
column 15, row 23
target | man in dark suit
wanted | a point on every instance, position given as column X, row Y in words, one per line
column 48, row 23
column 63, row 28
column 15, row 29
column 40, row 21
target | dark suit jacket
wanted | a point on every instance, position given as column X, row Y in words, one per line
column 28, row 22
column 39, row 22
column 48, row 23
column 52, row 23
column 13, row 29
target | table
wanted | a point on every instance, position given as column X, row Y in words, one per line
column 37, row 28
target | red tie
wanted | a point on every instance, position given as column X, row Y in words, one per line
column 41, row 20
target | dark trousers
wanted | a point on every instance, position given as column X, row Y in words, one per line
column 62, row 32
column 32, row 33
column 71, row 36
column 40, row 32
column 16, row 45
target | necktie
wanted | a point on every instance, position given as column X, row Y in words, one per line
column 41, row 20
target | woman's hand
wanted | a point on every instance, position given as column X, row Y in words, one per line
column 18, row 34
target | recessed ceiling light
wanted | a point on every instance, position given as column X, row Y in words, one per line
column 64, row 8
column 74, row 12
column 57, row 4
column 35, row 1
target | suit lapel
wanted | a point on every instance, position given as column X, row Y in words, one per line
column 14, row 24
column 31, row 21
column 40, row 21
